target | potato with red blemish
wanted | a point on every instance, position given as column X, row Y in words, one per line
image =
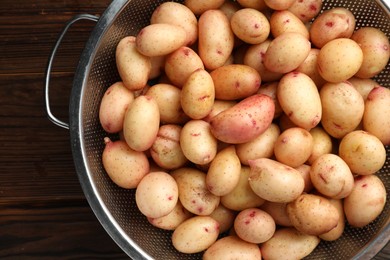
column 376, row 119
column 249, row 222
column 342, row 108
column 235, row 81
column 334, row 23
column 224, row 216
column 309, row 67
column 306, row 10
column 244, row 121
column 363, row 86
column 299, row 98
column 232, row 247
column 376, row 51
column 286, row 21
column 279, row 4
column 322, row 143
column 250, row 25
column 193, row 192
column 216, row 39
column 331, row 176
column 156, row 194
column 195, row 235
column 366, row 201
column 113, row 107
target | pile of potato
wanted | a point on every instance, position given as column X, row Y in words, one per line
column 251, row 129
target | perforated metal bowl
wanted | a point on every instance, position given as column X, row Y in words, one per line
column 115, row 207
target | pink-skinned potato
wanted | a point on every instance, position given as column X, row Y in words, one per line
column 245, row 120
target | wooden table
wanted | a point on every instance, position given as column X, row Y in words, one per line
column 43, row 211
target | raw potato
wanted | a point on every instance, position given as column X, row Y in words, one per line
column 312, row 214
column 242, row 196
column 337, row 232
column 376, row 119
column 254, row 225
column 160, row 39
column 306, row 10
column 279, row 4
column 245, row 120
column 229, row 8
column 198, row 94
column 376, row 51
column 156, row 194
column 286, row 21
column 113, row 107
column 255, row 4
column 195, row 234
column 235, row 81
column 322, row 143
column 133, row 67
column 299, row 98
column 218, row 107
column 274, row 181
column 270, row 90
column 250, row 25
column 197, row 142
column 286, row 52
column 366, row 202
column 224, row 172
column 293, row 146
column 289, row 244
column 134, row 166
column 177, row 14
column 278, row 212
column 232, row 247
column 304, row 170
column 200, row 6
column 342, row 108
column 141, row 123
column 309, row 67
column 331, row 176
column 363, row 86
column 216, row 39
column 224, row 216
column 363, row 152
column 339, row 60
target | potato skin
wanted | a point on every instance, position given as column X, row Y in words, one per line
column 286, row 21
column 337, row 232
column 306, row 9
column 322, row 143
column 245, row 120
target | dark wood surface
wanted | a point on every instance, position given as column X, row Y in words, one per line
column 43, row 211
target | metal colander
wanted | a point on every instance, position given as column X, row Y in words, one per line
column 115, row 207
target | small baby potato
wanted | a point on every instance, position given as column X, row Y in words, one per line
column 200, row 6
column 232, row 247
column 177, row 14
column 171, row 221
column 309, row 67
column 215, row 40
column 289, row 244
column 160, row 39
column 304, row 170
column 224, row 172
column 235, row 81
column 376, row 51
column 166, row 150
column 293, row 146
column 260, row 147
column 363, row 152
column 180, row 64
column 336, row 233
column 242, row 196
column 113, row 107
column 279, row 4
column 244, row 121
column 286, row 21
column 366, row 201
column 193, row 192
column 167, row 97
column 278, row 212
column 254, row 57
column 376, row 118
column 334, row 23
column 312, row 214
column 331, row 176
column 195, row 234
column 133, row 67
column 342, row 108
column 224, row 216
column 270, row 89
column 339, row 60
column 299, row 98
column 254, row 225
column 198, row 94
column 197, row 142
column 218, row 107
column 286, row 52
column 250, row 25
column 322, row 143
column 363, row 86
column 133, row 167
column 141, row 123
column 156, row 194
column 306, row 10
column 274, row 181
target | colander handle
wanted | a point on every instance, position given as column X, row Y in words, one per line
column 75, row 19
